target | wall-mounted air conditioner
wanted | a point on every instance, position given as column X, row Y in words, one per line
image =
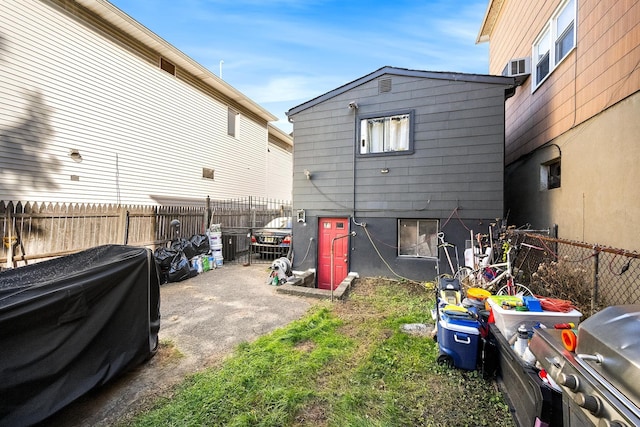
column 520, row 68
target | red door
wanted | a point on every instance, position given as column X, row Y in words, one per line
column 332, row 232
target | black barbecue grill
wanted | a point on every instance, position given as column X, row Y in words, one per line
column 600, row 379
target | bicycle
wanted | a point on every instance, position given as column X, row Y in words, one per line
column 489, row 276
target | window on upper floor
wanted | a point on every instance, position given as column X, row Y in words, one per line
column 418, row 238
column 386, row 134
column 233, row 122
column 556, row 40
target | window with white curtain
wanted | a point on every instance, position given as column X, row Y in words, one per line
column 386, row 134
column 555, row 41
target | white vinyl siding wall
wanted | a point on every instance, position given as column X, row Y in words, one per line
column 279, row 173
column 142, row 133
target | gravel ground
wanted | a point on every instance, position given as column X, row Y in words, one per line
column 204, row 318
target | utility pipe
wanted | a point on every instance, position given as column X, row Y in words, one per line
column 353, row 233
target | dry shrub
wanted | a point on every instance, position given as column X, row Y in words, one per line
column 564, row 280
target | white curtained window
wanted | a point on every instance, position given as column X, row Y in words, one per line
column 384, row 134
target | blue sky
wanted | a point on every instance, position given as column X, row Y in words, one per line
column 281, row 53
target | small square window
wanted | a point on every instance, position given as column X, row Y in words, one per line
column 208, row 173
column 418, row 238
column 550, row 174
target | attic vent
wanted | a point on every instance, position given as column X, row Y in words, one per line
column 384, row 85
column 167, row 66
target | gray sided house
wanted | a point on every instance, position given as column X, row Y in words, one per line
column 386, row 162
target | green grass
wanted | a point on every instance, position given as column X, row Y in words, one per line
column 343, row 364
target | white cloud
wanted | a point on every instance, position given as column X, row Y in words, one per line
column 291, row 88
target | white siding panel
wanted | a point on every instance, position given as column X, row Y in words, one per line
column 142, row 133
column 279, row 173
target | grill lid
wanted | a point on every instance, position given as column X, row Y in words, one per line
column 609, row 341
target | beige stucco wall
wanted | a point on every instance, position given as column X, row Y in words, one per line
column 599, row 198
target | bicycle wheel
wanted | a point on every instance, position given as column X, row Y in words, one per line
column 515, row 289
column 463, row 273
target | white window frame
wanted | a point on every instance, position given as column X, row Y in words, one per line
column 401, row 143
column 233, row 123
column 548, row 41
column 413, row 244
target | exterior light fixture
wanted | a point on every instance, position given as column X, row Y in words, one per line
column 301, row 216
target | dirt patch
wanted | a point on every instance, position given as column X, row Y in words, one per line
column 202, row 320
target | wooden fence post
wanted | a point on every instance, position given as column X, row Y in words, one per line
column 9, row 239
column 123, row 222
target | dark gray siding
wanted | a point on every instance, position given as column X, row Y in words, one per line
column 458, row 158
column 457, row 162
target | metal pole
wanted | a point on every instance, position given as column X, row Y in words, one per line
column 594, row 290
column 209, row 215
column 353, row 233
column 126, row 227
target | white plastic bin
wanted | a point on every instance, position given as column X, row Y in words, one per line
column 508, row 321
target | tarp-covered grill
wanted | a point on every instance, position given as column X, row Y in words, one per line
column 71, row 324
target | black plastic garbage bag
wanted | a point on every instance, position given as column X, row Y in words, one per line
column 185, row 246
column 200, row 243
column 180, row 268
column 164, row 257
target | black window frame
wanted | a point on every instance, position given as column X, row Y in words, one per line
column 385, row 114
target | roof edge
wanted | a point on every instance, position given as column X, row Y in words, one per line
column 281, row 135
column 441, row 75
column 488, row 22
column 137, row 31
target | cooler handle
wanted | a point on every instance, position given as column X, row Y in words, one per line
column 461, row 341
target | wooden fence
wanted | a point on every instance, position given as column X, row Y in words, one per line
column 34, row 231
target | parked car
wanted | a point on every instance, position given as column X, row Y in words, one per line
column 274, row 240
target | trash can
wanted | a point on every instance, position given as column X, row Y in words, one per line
column 229, row 244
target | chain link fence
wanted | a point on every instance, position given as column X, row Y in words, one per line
column 592, row 277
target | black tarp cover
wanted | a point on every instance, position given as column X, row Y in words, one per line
column 71, row 324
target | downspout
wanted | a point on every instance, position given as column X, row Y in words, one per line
column 353, row 162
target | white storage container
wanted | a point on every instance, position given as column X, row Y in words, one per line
column 508, row 321
column 215, row 238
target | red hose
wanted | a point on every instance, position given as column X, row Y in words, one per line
column 554, row 304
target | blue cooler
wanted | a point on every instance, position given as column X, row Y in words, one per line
column 458, row 338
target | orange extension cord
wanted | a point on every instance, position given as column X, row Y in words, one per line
column 554, row 304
